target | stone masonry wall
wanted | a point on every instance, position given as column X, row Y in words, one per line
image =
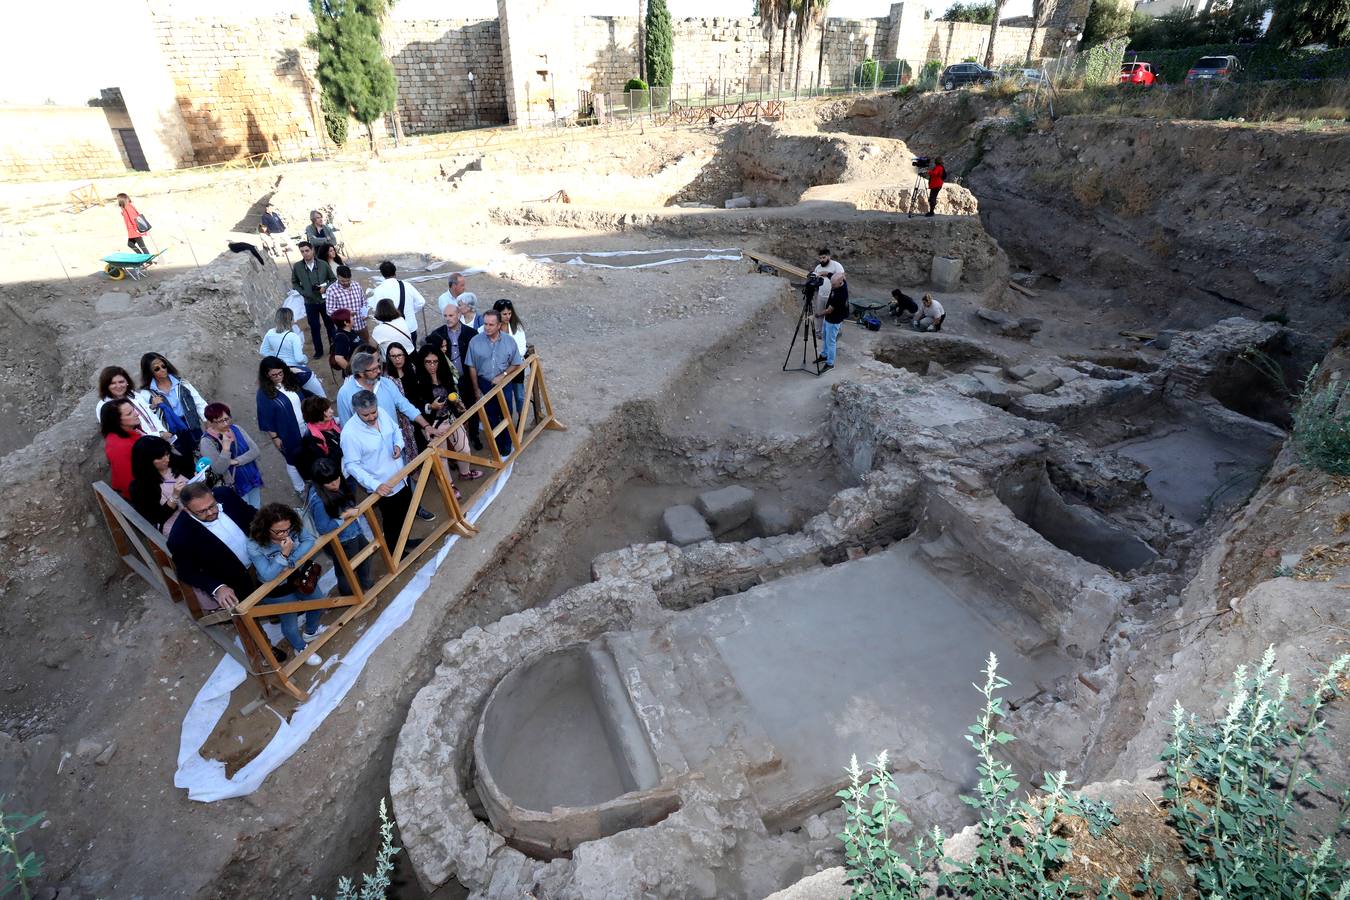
column 952, row 42
column 433, row 58
column 41, row 142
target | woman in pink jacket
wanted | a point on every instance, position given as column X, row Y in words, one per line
column 131, row 218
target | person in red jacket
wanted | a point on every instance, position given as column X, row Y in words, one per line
column 131, row 218
column 120, row 424
column 937, row 175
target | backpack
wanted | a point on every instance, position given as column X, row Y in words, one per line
column 871, row 322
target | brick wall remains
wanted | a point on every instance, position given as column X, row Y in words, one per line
column 952, row 42
column 48, row 142
column 433, row 58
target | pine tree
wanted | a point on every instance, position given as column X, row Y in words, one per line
column 1300, row 22
column 352, row 68
column 660, row 44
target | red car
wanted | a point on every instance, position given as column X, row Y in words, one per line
column 1137, row 73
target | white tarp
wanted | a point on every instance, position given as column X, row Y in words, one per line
column 205, row 779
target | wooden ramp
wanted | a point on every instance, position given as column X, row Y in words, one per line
column 772, row 265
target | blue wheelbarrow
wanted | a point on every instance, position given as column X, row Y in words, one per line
column 120, row 265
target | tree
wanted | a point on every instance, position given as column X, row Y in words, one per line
column 978, row 13
column 352, row 68
column 1300, row 22
column 1106, row 19
column 660, row 44
column 993, row 33
column 809, row 14
column 642, row 39
column 1038, row 11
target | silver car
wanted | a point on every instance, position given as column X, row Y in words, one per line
column 1214, row 68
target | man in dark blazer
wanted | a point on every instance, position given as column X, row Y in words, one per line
column 453, row 340
column 310, row 277
column 209, row 543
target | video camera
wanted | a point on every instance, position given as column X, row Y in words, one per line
column 921, row 162
column 809, row 286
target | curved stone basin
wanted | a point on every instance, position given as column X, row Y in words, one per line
column 561, row 758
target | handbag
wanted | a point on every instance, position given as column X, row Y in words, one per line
column 142, row 224
column 305, row 579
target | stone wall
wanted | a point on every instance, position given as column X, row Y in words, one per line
column 952, row 42
column 38, row 142
column 433, row 58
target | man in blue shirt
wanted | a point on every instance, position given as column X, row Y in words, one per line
column 491, row 354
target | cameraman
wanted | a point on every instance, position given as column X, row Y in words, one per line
column 937, row 176
column 832, row 280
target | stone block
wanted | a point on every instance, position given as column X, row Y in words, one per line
column 995, row 389
column 1042, row 381
column 1066, row 374
column 773, row 518
column 738, row 203
column 1020, row 372
column 726, row 508
column 991, row 370
column 945, row 273
column 682, row 525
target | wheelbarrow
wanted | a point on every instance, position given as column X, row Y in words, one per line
column 120, row 265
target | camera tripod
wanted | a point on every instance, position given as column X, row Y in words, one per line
column 919, row 187
column 811, row 361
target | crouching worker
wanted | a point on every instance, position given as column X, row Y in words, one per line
column 930, row 315
column 277, row 539
column 903, row 306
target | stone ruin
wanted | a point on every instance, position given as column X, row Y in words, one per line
column 667, row 730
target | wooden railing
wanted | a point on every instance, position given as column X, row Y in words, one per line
column 145, row 551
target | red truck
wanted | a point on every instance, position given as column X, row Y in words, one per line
column 1138, row 73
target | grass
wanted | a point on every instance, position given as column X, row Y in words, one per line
column 1318, row 105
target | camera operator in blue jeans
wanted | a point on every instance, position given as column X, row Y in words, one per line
column 836, row 311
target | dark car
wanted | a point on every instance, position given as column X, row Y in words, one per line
column 965, row 73
column 1214, row 68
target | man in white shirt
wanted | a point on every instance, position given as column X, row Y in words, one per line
column 459, row 291
column 832, row 278
column 210, row 550
column 372, row 454
column 406, row 298
column 930, row 315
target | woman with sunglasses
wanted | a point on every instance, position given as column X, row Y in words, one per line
column 233, row 454
column 176, row 401
column 114, row 383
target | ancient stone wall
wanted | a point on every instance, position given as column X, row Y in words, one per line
column 56, row 142
column 952, row 42
column 433, row 58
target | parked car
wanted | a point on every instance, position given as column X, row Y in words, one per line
column 1030, row 77
column 1214, row 68
column 965, row 73
column 1138, row 73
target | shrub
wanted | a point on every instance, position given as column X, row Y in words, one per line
column 869, row 73
column 1260, row 62
column 16, row 869
column 1322, row 426
column 374, row 885
column 1233, row 788
column 929, row 75
column 635, row 91
column 334, row 118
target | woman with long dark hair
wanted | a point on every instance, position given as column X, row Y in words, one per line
column 514, row 326
column 332, row 505
column 114, row 383
column 388, row 328
column 439, row 401
column 322, row 438
column 276, row 541
column 155, row 485
column 177, row 402
column 400, row 368
column 120, row 424
column 233, row 454
column 279, row 414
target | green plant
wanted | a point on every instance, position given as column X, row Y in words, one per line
column 334, row 118
column 659, row 44
column 869, row 73
column 1233, row 788
column 1101, row 64
column 374, row 885
column 1106, row 19
column 1322, row 426
column 352, row 68
column 875, row 868
column 636, row 93
column 929, row 74
column 1300, row 22
column 16, row 869
column 979, row 13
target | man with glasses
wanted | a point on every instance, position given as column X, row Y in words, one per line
column 311, row 277
column 368, row 376
column 347, row 294
column 209, row 545
column 372, row 454
column 491, row 353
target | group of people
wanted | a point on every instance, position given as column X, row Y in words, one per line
column 191, row 469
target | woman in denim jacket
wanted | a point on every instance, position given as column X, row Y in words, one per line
column 277, row 540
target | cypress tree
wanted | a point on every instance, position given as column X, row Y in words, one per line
column 660, row 48
column 352, row 69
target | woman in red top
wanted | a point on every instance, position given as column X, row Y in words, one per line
column 119, row 421
column 135, row 237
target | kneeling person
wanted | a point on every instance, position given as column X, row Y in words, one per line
column 930, row 315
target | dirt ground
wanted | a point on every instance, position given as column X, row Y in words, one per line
column 92, row 697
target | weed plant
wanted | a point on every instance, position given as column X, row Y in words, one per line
column 1233, row 788
column 374, row 885
column 17, row 869
column 1322, row 426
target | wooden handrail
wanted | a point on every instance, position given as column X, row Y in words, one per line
column 145, row 549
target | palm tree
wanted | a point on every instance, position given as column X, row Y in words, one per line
column 1038, row 10
column 993, row 33
column 809, row 14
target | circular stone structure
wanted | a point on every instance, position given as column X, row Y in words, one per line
column 561, row 758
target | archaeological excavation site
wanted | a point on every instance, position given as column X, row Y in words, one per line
column 1030, row 575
